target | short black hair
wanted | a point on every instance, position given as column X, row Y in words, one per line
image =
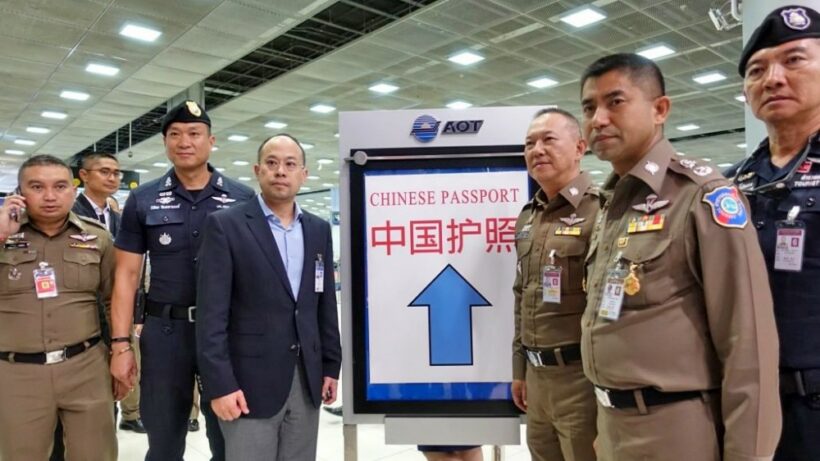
column 637, row 66
column 281, row 135
column 42, row 160
column 88, row 159
column 556, row 110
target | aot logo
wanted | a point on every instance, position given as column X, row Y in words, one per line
column 425, row 128
column 462, row 127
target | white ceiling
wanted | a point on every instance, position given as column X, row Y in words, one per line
column 48, row 43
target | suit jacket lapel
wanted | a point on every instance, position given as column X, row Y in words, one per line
column 260, row 229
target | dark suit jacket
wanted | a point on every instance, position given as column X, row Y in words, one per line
column 83, row 207
column 248, row 322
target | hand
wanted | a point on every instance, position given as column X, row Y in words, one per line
column 329, row 386
column 519, row 394
column 12, row 206
column 121, row 389
column 230, row 407
column 123, row 366
column 138, row 330
column 595, row 445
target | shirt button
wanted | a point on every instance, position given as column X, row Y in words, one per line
column 760, row 224
column 196, row 259
column 296, row 312
column 193, row 207
column 165, row 219
column 293, row 347
column 195, row 233
column 810, row 201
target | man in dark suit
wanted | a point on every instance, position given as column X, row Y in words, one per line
column 267, row 331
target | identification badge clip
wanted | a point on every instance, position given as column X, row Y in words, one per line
column 551, row 281
column 613, row 295
column 319, row 275
column 45, row 281
column 791, row 238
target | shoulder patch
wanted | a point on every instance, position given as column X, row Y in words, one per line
column 93, row 221
column 727, row 207
column 700, row 173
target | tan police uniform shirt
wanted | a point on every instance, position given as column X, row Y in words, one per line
column 564, row 225
column 702, row 318
column 82, row 256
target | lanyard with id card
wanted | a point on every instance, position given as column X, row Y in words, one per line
column 791, row 238
column 45, row 281
column 613, row 297
column 551, row 281
column 319, row 275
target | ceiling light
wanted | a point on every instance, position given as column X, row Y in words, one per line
column 327, row 198
column 306, row 146
column 304, row 188
column 214, row 149
column 383, row 88
column 327, row 184
column 220, row 169
column 742, row 145
column 53, row 114
column 680, row 153
column 141, row 170
column 244, row 178
column 240, row 163
column 310, row 200
column 542, row 82
column 24, row 142
column 466, row 58
column 688, row 127
column 324, row 161
column 459, row 105
column 15, row 152
column 335, row 135
column 322, row 108
column 237, row 138
column 706, row 159
column 583, row 17
column 140, row 33
column 657, row 51
column 37, row 130
column 596, row 172
column 336, row 172
column 710, row 77
column 724, row 165
column 74, row 95
column 313, row 178
column 102, row 69
column 275, row 125
column 740, row 98
column 160, row 164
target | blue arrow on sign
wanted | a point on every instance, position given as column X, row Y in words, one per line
column 450, row 298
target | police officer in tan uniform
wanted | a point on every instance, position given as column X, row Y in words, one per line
column 53, row 265
column 551, row 239
column 678, row 335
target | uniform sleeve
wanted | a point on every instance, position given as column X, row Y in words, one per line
column 131, row 235
column 741, row 324
column 519, row 357
column 106, row 277
column 328, row 316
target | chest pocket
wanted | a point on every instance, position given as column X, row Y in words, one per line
column 569, row 254
column 81, row 269
column 165, row 231
column 650, row 255
column 523, row 247
column 16, row 268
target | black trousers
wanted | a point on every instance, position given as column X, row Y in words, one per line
column 800, row 440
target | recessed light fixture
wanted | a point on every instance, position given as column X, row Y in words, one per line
column 336, row 172
column 742, row 145
column 466, row 58
column 244, row 178
column 706, row 159
column 322, row 108
column 680, row 153
column 240, row 163
column 724, row 165
column 141, row 33
column 160, row 164
column 220, row 169
column 275, row 125
column 583, row 17
column 327, row 198
column 214, row 148
column 542, row 82
column 102, row 69
column 324, row 161
column 656, row 52
column 596, row 172
column 327, row 184
column 74, row 95
column 459, row 105
column 141, row 170
column 15, row 152
column 313, row 178
column 688, row 127
column 53, row 114
column 740, row 98
column 305, row 188
column 237, row 138
column 336, row 135
column 383, row 88
column 37, row 130
column 306, row 146
column 710, row 77
column 24, row 142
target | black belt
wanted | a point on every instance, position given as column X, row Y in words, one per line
column 50, row 358
column 800, row 382
column 562, row 355
column 613, row 398
column 172, row 311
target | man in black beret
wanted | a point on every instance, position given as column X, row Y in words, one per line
column 780, row 66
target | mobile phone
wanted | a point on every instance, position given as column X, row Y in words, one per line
column 14, row 214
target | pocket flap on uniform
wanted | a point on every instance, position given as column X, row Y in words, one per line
column 640, row 250
column 569, row 246
column 159, row 218
column 15, row 257
column 83, row 257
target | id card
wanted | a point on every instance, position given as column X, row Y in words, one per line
column 551, row 284
column 613, row 296
column 45, row 282
column 788, row 253
column 319, row 275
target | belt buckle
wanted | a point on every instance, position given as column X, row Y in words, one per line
column 56, row 356
column 535, row 358
column 191, row 310
column 603, row 397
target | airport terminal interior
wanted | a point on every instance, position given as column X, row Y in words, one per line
column 98, row 75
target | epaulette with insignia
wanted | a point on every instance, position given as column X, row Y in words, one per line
column 700, row 173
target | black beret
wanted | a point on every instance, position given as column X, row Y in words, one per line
column 780, row 26
column 187, row 112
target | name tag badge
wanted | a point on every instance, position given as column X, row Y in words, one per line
column 45, row 282
column 788, row 253
column 319, row 275
column 551, row 284
column 613, row 296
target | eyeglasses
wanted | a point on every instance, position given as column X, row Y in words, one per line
column 107, row 172
column 289, row 165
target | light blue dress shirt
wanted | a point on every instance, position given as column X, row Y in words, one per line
column 290, row 241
